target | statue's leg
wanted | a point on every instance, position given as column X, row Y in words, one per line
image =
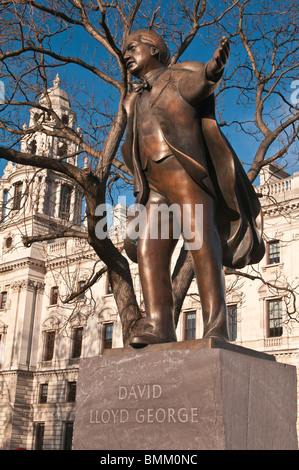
column 180, row 189
column 155, row 248
column 206, row 251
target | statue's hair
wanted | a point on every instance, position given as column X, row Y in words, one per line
column 148, row 36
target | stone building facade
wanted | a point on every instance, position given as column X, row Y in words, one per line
column 43, row 337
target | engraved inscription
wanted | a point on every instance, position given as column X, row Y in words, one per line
column 139, row 392
column 142, row 393
column 109, row 416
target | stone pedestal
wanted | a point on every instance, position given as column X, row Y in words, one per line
column 195, row 395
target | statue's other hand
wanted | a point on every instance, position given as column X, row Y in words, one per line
column 221, row 54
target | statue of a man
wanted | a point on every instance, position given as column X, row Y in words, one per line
column 178, row 156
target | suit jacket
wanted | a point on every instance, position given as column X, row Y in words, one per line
column 193, row 135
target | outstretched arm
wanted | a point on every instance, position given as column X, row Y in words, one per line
column 215, row 67
column 197, row 85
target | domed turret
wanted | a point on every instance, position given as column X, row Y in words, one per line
column 48, row 194
column 47, row 143
column 60, row 104
column 57, row 96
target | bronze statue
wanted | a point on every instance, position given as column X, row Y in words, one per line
column 178, row 155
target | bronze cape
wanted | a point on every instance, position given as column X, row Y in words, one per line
column 208, row 158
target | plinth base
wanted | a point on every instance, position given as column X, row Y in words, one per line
column 195, row 395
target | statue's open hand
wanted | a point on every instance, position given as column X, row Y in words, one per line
column 221, row 55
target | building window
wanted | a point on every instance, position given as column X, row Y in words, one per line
column 273, row 252
column 1, row 350
column 65, row 202
column 108, row 334
column 108, row 286
column 5, row 197
column 43, row 393
column 49, row 345
column 17, row 196
column 190, row 325
column 82, row 207
column 274, row 312
column 8, row 243
column 54, row 295
column 81, row 285
column 62, row 149
column 68, row 435
column 232, row 314
column 71, row 391
column 65, row 119
column 32, row 147
column 77, row 342
column 39, row 436
column 37, row 116
column 3, row 300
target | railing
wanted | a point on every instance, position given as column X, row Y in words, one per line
column 57, row 246
column 273, row 342
column 276, row 188
column 60, row 246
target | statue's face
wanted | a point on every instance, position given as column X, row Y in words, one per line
column 140, row 58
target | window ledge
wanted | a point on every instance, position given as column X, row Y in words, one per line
column 74, row 360
column 274, row 265
column 45, row 363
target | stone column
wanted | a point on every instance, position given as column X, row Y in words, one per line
column 57, row 199
column 72, row 217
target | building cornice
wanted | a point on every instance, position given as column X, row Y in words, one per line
column 22, row 263
column 280, row 208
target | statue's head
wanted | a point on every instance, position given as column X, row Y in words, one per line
column 145, row 50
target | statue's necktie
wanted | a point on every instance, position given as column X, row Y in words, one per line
column 142, row 85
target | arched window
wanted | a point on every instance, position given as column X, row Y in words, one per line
column 49, row 345
column 65, row 119
column 62, row 149
column 17, row 196
column 65, row 201
column 32, row 146
column 54, row 295
column 77, row 342
column 36, row 116
column 5, row 197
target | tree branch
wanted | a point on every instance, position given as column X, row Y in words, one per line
column 86, row 286
column 68, row 233
column 259, row 160
column 61, row 58
column 283, row 288
column 38, row 161
column 196, row 16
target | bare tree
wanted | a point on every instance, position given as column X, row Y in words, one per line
column 39, row 38
column 263, row 76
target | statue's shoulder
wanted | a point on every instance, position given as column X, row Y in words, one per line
column 189, row 66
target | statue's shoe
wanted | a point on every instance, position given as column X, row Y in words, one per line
column 145, row 339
